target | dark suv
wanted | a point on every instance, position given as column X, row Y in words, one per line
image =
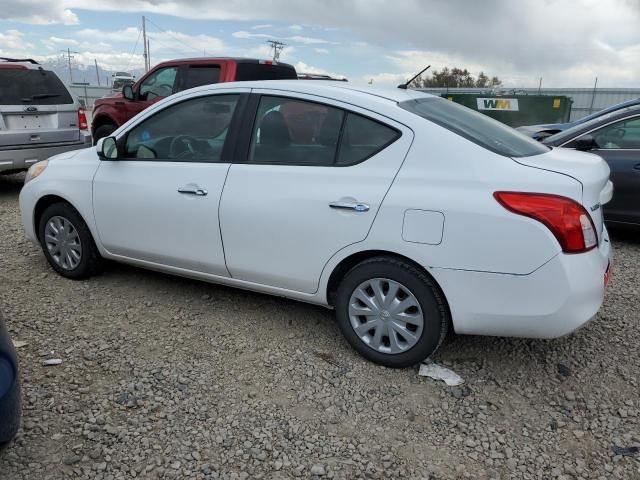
column 173, row 76
column 39, row 117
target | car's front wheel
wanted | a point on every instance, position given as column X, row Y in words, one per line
column 391, row 312
column 67, row 242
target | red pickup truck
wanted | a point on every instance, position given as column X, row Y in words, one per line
column 173, row 76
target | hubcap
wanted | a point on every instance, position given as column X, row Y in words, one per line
column 63, row 242
column 386, row 315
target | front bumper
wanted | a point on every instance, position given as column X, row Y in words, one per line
column 556, row 299
column 23, row 158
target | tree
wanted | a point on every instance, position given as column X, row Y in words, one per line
column 455, row 78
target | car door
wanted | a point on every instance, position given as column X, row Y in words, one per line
column 312, row 178
column 619, row 144
column 158, row 84
column 158, row 202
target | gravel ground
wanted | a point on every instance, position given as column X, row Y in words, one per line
column 164, row 377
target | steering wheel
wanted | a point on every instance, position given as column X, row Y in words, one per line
column 183, row 146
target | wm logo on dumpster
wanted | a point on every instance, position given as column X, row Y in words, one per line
column 505, row 104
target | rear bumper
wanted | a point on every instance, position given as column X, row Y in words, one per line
column 22, row 159
column 556, row 299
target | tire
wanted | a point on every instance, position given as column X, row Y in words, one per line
column 86, row 261
column 10, row 414
column 413, row 285
column 103, row 131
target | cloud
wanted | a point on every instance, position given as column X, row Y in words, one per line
column 38, row 12
column 295, row 28
column 13, row 41
column 169, row 42
column 302, row 67
column 262, row 26
column 564, row 42
column 295, row 39
column 321, row 50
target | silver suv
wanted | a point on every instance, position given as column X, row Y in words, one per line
column 39, row 117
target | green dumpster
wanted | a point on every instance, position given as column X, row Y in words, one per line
column 517, row 110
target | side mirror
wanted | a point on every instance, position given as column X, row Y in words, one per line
column 127, row 92
column 107, row 148
column 585, row 143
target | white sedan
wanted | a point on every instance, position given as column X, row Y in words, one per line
column 408, row 214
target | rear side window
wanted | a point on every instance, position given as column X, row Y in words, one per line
column 289, row 131
column 260, row 71
column 32, row 87
column 197, row 76
column 363, row 138
column 476, row 127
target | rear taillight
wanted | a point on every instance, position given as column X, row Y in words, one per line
column 82, row 119
column 568, row 220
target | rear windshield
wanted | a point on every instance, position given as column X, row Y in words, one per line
column 259, row 71
column 476, row 127
column 32, row 87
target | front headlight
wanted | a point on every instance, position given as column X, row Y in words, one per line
column 35, row 170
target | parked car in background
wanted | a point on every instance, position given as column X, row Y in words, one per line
column 39, row 116
column 406, row 213
column 173, row 76
column 9, row 387
column 540, row 132
column 120, row 79
column 616, row 138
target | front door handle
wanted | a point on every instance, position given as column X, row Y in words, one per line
column 358, row 207
column 200, row 192
column 636, row 166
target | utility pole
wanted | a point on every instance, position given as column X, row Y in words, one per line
column 145, row 44
column 540, row 86
column 277, row 48
column 97, row 73
column 148, row 54
column 69, row 57
column 593, row 96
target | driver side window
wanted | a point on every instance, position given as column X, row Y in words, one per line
column 158, row 84
column 189, row 131
column 624, row 135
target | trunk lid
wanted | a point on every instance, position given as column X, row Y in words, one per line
column 25, row 125
column 588, row 169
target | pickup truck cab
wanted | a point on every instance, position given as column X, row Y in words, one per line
column 173, row 76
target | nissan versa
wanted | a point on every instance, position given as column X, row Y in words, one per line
column 408, row 214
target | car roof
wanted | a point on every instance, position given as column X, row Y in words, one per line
column 579, row 129
column 181, row 61
column 20, row 63
column 330, row 89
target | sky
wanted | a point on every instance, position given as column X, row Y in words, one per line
column 566, row 43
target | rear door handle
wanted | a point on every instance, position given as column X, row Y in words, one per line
column 200, row 192
column 636, row 166
column 358, row 207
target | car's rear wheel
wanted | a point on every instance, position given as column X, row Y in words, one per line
column 103, row 131
column 67, row 242
column 391, row 312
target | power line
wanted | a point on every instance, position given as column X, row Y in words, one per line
column 171, row 35
column 133, row 52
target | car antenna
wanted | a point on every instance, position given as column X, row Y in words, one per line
column 404, row 86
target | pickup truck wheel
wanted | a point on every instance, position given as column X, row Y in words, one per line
column 103, row 131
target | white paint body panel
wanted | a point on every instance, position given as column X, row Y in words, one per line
column 502, row 274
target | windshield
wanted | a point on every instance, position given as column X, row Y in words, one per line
column 475, row 127
column 566, row 135
column 40, row 87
